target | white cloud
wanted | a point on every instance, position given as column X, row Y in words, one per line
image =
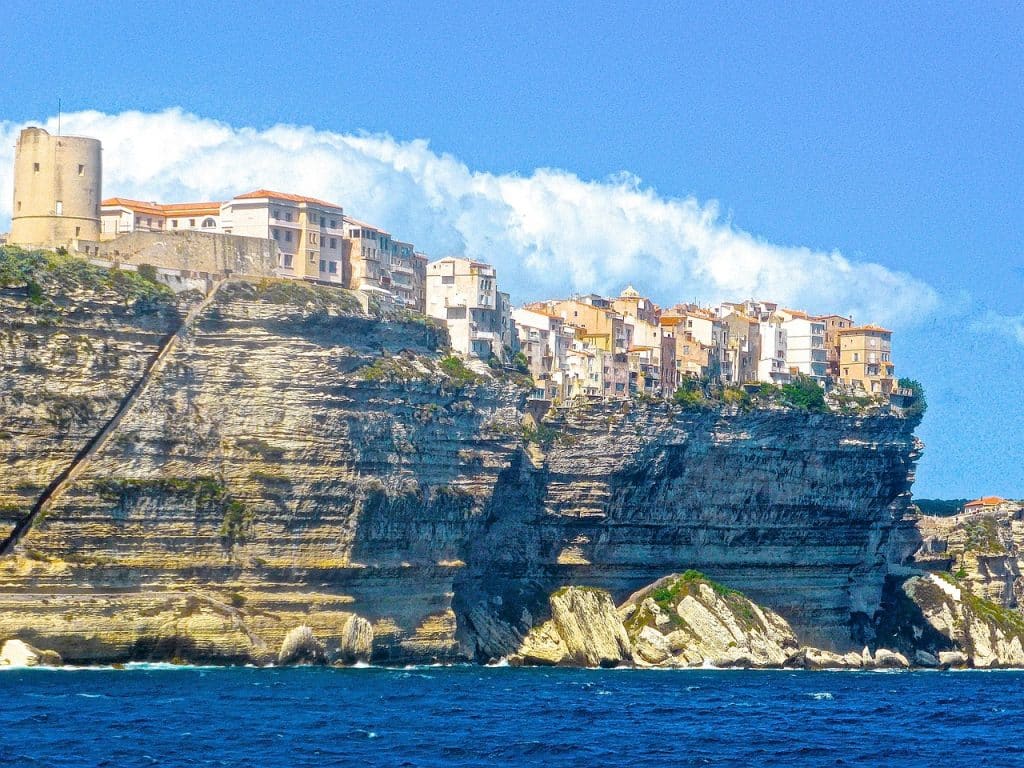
column 1010, row 326
column 548, row 233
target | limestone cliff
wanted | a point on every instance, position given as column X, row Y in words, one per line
column 958, row 595
column 298, row 463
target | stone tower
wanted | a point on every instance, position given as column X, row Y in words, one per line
column 56, row 189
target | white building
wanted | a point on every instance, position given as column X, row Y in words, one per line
column 545, row 340
column 771, row 364
column 464, row 293
column 805, row 345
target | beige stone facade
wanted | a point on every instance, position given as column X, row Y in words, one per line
column 198, row 253
column 308, row 232
column 464, row 294
column 56, row 190
column 833, row 324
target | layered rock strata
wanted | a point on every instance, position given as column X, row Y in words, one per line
column 956, row 600
column 298, row 463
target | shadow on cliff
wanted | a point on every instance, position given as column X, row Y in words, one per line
column 503, row 590
column 900, row 624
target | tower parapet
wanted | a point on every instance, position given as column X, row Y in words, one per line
column 57, row 189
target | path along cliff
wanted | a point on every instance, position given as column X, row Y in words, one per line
column 295, row 464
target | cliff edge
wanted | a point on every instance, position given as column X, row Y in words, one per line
column 296, row 462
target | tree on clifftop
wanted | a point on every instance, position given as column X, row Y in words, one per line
column 804, row 393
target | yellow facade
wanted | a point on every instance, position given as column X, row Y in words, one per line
column 865, row 359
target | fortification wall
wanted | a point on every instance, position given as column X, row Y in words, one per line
column 212, row 253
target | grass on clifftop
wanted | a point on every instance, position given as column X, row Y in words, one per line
column 45, row 273
column 300, row 294
column 1009, row 621
column 803, row 394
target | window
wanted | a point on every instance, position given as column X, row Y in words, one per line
column 312, row 256
column 287, row 236
column 191, row 222
column 287, row 260
column 60, row 208
column 447, row 280
column 323, row 221
column 332, row 267
column 78, row 231
column 35, row 167
column 209, row 223
column 19, row 205
column 323, row 265
column 81, row 170
column 856, row 357
column 313, row 238
column 276, row 233
column 334, row 242
column 277, row 214
column 174, row 223
column 288, row 216
column 334, row 223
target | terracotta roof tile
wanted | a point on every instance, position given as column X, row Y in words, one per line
column 271, row 194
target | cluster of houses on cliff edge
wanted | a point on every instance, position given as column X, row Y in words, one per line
column 590, row 346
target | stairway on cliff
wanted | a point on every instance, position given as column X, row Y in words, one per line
column 83, row 458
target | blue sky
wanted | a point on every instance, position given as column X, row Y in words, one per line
column 872, row 155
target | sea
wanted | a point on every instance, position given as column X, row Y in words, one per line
column 157, row 715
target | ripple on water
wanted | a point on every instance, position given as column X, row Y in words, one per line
column 465, row 716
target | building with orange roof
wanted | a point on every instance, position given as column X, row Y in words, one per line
column 308, row 231
column 984, row 504
column 865, row 359
column 122, row 215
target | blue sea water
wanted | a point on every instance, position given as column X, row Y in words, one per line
column 469, row 716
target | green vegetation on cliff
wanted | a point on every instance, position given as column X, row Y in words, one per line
column 45, row 275
column 668, row 594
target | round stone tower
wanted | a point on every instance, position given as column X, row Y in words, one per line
column 57, row 183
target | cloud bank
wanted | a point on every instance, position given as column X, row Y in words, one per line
column 548, row 233
column 1008, row 326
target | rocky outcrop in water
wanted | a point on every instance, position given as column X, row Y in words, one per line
column 16, row 653
column 681, row 620
column 584, row 631
column 689, row 620
column 296, row 462
column 939, row 621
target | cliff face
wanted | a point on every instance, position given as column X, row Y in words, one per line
column 793, row 509
column 73, row 340
column 985, row 550
column 297, row 464
column 961, row 595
